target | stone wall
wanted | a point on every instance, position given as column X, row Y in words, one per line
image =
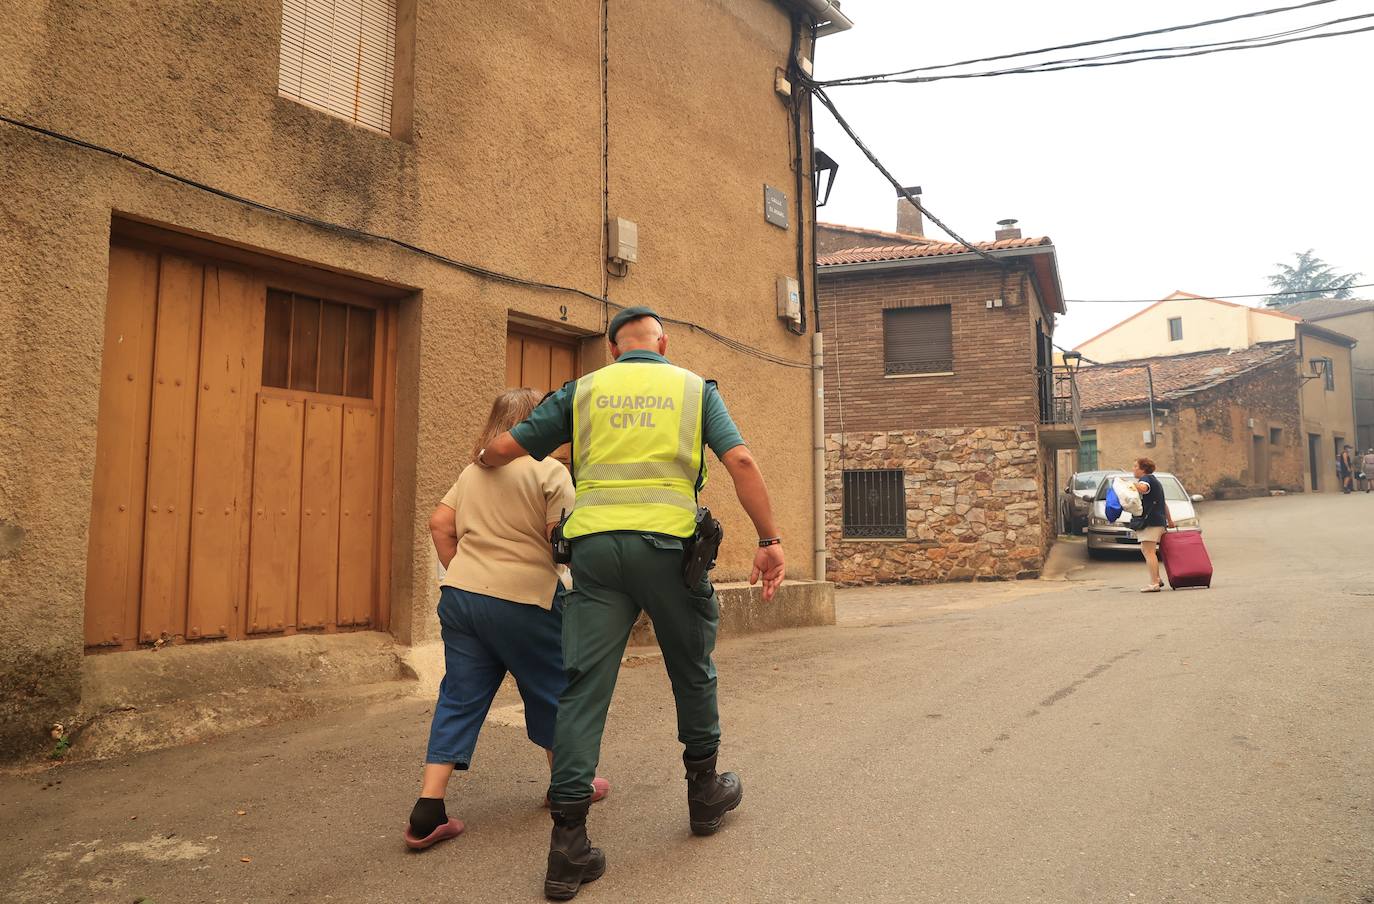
column 1208, row 438
column 974, row 506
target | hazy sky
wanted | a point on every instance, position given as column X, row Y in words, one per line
column 1195, row 174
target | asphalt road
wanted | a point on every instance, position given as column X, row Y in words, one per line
column 1032, row 742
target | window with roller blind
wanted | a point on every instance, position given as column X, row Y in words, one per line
column 340, row 56
column 917, row 340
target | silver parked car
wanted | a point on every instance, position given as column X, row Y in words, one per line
column 1077, row 501
column 1103, row 536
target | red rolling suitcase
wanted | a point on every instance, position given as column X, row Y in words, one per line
column 1185, row 559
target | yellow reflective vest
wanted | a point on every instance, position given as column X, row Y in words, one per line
column 638, row 458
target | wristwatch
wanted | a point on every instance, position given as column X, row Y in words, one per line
column 769, row 541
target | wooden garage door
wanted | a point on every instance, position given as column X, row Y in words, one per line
column 238, row 459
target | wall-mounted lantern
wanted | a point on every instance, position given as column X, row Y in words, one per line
column 824, row 167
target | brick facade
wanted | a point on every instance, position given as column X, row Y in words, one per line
column 975, row 506
column 994, row 379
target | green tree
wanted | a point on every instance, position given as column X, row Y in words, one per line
column 1311, row 278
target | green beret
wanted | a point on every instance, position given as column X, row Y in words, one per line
column 626, row 316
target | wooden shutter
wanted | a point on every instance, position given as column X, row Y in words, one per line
column 917, row 340
column 339, row 55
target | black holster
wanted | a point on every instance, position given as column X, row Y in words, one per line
column 562, row 546
column 699, row 552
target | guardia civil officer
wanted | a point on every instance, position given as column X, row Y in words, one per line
column 638, row 428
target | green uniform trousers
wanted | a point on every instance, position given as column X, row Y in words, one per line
column 615, row 576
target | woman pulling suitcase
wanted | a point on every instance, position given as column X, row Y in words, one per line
column 1155, row 515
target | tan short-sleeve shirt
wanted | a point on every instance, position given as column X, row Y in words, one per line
column 500, row 515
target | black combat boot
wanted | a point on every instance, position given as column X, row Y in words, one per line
column 710, row 795
column 572, row 859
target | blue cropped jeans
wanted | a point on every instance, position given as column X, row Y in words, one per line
column 484, row 638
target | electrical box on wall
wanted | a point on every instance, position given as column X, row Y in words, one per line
column 789, row 299
column 623, row 244
column 1147, row 437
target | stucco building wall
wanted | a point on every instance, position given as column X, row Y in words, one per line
column 1207, row 324
column 1327, row 414
column 502, row 167
column 1360, row 327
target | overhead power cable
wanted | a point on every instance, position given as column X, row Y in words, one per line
column 1054, row 67
column 1236, row 42
column 901, row 190
column 1024, row 53
column 355, row 233
column 1314, row 292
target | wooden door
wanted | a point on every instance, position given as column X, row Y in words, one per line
column 542, row 362
column 239, row 456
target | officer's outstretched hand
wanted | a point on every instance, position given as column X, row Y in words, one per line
column 769, row 565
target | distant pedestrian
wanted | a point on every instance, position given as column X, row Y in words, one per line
column 1345, row 469
column 1367, row 470
column 500, row 610
column 1155, row 514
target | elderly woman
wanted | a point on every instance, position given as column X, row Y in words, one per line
column 1155, row 512
column 500, row 609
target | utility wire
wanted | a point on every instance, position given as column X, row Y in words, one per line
column 1314, row 292
column 825, row 100
column 1053, row 66
column 352, row 232
column 1023, row 53
column 1034, row 67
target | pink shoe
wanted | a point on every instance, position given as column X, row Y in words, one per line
column 451, row 829
column 600, row 788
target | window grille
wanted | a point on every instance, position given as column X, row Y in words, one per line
column 339, row 55
column 874, row 504
column 318, row 346
column 917, row 340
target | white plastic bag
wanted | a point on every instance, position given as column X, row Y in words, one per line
column 1128, row 496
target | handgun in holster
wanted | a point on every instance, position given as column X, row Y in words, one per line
column 562, row 546
column 699, row 553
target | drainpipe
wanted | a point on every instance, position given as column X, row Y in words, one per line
column 1150, row 375
column 818, row 452
column 829, row 19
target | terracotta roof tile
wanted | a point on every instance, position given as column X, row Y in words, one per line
column 910, row 251
column 904, row 238
column 1104, row 387
column 1321, row 308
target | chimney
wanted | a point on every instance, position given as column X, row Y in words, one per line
column 1007, row 229
column 909, row 220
